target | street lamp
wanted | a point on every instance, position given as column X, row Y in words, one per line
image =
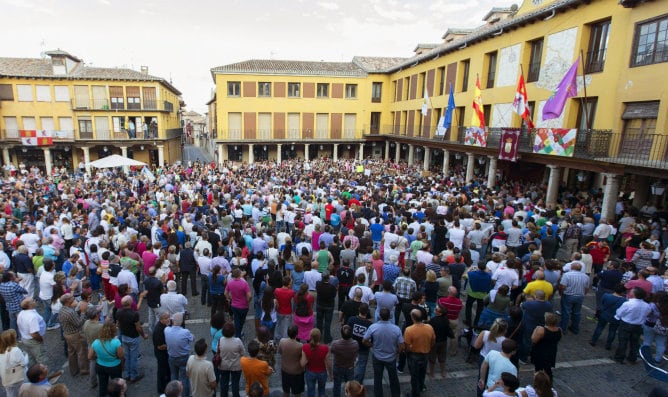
column 458, row 156
column 582, row 176
column 481, row 160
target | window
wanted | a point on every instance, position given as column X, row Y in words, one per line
column 233, row 88
column 586, row 113
column 11, row 127
column 487, row 109
column 149, row 97
column 465, row 74
column 6, row 92
column 441, row 80
column 85, row 128
column 650, row 43
column 264, row 89
column 407, row 87
column 598, row 45
column 491, row 69
column 81, row 96
column 118, row 124
column 534, row 61
column 376, row 91
column 65, row 124
column 25, row 92
column 116, row 95
column 62, row 93
column 293, row 90
column 323, row 90
column 134, row 100
column 43, row 93
column 532, row 109
column 169, row 107
column 29, row 123
column 351, row 91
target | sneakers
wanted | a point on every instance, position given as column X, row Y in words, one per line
column 54, row 326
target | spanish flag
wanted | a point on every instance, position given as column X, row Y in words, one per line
column 478, row 117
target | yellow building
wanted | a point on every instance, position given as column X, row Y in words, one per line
column 90, row 112
column 374, row 106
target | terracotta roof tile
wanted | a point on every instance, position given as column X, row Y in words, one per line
column 307, row 68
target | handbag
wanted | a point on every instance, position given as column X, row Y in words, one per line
column 217, row 360
column 13, row 375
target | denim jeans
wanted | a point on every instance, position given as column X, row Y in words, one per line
column 469, row 310
column 612, row 330
column 239, row 320
column 104, row 374
column 131, row 347
column 629, row 337
column 153, row 315
column 177, row 368
column 378, row 368
column 360, row 368
column 311, row 379
column 13, row 317
column 571, row 308
column 341, row 375
column 650, row 336
column 324, row 322
column 47, row 312
column 225, row 377
column 417, row 365
column 283, row 321
column 205, row 297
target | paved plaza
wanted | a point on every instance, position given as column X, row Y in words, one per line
column 582, row 370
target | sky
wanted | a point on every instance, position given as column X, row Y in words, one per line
column 182, row 40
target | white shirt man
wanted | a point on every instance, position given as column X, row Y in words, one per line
column 311, row 277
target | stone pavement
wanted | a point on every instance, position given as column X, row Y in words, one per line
column 582, row 370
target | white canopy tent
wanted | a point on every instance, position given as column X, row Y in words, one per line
column 115, row 160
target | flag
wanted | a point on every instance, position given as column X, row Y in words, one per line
column 29, row 141
column 447, row 120
column 37, row 141
column 425, row 105
column 476, row 136
column 567, row 88
column 440, row 129
column 478, row 117
column 510, row 138
column 555, row 141
column 520, row 104
column 27, row 133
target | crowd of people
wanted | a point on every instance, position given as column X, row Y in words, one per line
column 340, row 263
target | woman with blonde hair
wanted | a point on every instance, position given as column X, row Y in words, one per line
column 430, row 290
column 109, row 356
column 355, row 389
column 11, row 356
column 316, row 360
column 492, row 339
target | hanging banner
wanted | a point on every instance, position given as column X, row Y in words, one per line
column 555, row 141
column 508, row 144
column 476, row 136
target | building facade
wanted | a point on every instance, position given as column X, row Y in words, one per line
column 268, row 109
column 89, row 112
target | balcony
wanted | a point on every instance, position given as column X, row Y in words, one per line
column 631, row 149
column 107, row 105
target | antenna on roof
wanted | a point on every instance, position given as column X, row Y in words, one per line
column 42, row 53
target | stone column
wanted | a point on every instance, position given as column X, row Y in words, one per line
column 335, row 152
column 426, row 159
column 553, row 186
column 397, row 152
column 491, row 173
column 306, row 151
column 251, row 155
column 161, row 155
column 47, row 160
column 360, row 153
column 387, row 150
column 86, row 152
column 470, row 165
column 279, row 147
column 5, row 156
column 446, row 162
column 221, row 157
column 410, row 154
column 124, row 153
column 610, row 194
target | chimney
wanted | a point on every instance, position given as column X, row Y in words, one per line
column 144, row 70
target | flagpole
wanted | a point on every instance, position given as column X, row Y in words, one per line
column 584, row 85
column 524, row 121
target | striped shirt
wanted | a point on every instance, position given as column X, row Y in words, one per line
column 575, row 283
column 404, row 287
column 71, row 322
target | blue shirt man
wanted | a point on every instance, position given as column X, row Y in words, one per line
column 178, row 340
column 386, row 342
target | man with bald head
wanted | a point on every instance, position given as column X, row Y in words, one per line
column 538, row 284
column 534, row 310
column 130, row 327
column 419, row 338
column 32, row 328
column 178, row 340
column 573, row 287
